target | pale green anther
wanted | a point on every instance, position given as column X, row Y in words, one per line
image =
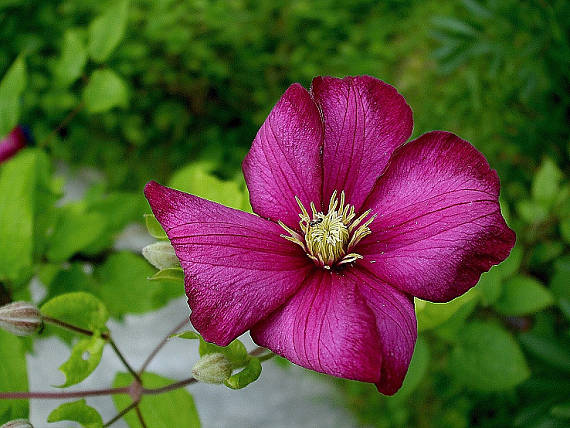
column 328, row 238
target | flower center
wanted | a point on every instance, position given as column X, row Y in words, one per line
column 328, row 239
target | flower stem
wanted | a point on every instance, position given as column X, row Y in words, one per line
column 121, row 414
column 160, row 345
column 63, row 395
column 140, row 416
column 106, row 336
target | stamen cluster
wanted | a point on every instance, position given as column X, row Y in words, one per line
column 329, row 238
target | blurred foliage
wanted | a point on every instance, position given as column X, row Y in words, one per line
column 175, row 90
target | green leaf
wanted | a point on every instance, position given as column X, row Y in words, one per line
column 243, row 378
column 531, row 211
column 77, row 411
column 105, row 90
column 107, row 30
column 417, row 370
column 13, row 376
column 490, row 286
column 175, row 274
column 487, row 358
column 85, row 357
column 523, row 295
column 12, row 86
column 546, row 183
column 431, row 315
column 172, row 409
column 74, row 231
column 548, row 350
column 197, row 180
column 125, row 286
column 79, row 309
column 154, row 228
column 511, row 265
column 235, row 352
column 17, row 186
column 73, row 58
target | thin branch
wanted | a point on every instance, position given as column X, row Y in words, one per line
column 121, row 414
column 168, row 388
column 140, row 416
column 63, row 395
column 124, row 361
column 63, row 123
column 258, row 351
column 160, row 345
column 73, row 328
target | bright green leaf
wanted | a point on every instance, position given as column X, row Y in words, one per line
column 105, row 90
column 107, row 30
column 171, row 274
column 172, row 409
column 12, row 86
column 546, row 183
column 523, row 295
column 235, row 352
column 531, row 211
column 487, row 358
column 154, row 228
column 511, row 265
column 74, row 231
column 17, row 186
column 243, row 378
column 13, row 376
column 197, row 180
column 85, row 357
column 73, row 58
column 125, row 286
column 79, row 309
column 431, row 315
column 77, row 411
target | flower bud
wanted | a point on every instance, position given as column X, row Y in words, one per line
column 212, row 368
column 161, row 255
column 20, row 318
column 18, row 423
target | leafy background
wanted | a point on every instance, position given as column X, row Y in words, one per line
column 175, row 90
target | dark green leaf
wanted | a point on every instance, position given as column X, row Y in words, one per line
column 13, row 376
column 107, row 30
column 85, row 357
column 105, row 90
column 547, row 349
column 490, row 286
column 11, row 88
column 77, row 411
column 172, row 409
column 523, row 295
column 487, row 358
column 546, row 183
column 243, row 378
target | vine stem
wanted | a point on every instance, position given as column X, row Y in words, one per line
column 106, row 336
column 160, row 345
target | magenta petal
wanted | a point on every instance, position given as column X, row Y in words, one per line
column 439, row 223
column 285, row 158
column 237, row 268
column 12, row 143
column 326, row 326
column 365, row 120
column 396, row 325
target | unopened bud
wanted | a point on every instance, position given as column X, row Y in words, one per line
column 161, row 255
column 212, row 368
column 20, row 318
column 18, row 423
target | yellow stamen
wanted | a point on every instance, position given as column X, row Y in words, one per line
column 329, row 237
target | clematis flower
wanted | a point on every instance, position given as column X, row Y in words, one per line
column 13, row 143
column 351, row 224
